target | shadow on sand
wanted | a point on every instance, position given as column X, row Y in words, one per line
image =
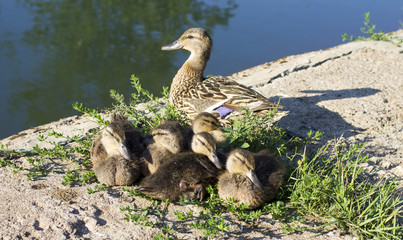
column 305, row 115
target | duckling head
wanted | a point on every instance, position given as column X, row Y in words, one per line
column 195, row 40
column 170, row 135
column 243, row 162
column 207, row 122
column 114, row 138
column 117, row 118
column 204, row 143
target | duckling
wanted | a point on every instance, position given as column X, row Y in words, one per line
column 252, row 179
column 207, row 122
column 114, row 152
column 167, row 139
column 117, row 171
column 184, row 175
column 191, row 93
column 204, row 143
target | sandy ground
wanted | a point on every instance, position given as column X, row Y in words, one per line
column 354, row 91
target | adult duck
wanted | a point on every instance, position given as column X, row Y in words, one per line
column 191, row 93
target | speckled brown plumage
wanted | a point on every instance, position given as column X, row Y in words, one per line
column 191, row 93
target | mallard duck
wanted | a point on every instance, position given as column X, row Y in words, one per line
column 184, row 175
column 191, row 93
column 168, row 139
column 115, row 152
column 250, row 178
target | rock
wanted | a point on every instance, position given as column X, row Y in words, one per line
column 386, row 164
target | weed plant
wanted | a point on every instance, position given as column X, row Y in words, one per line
column 42, row 161
column 146, row 110
column 368, row 30
column 331, row 185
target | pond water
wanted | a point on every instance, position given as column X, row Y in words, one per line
column 56, row 53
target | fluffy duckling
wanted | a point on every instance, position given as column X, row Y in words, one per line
column 114, row 152
column 167, row 139
column 117, row 171
column 185, row 175
column 205, row 143
column 207, row 122
column 191, row 93
column 250, row 178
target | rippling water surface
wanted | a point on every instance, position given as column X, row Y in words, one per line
column 56, row 53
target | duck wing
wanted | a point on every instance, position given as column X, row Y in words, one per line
column 220, row 91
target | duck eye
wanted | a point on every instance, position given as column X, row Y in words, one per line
column 190, row 37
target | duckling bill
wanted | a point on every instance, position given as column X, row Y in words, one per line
column 205, row 144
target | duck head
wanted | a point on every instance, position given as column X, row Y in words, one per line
column 114, row 137
column 195, row 40
column 205, row 144
column 243, row 162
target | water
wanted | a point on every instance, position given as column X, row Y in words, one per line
column 56, row 53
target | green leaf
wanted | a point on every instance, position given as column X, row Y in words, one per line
column 245, row 145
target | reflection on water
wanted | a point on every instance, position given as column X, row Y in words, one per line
column 89, row 47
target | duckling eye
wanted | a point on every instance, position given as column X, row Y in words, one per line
column 241, row 160
column 190, row 36
column 109, row 132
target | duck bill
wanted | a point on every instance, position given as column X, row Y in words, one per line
column 172, row 46
column 215, row 160
column 123, row 150
column 252, row 176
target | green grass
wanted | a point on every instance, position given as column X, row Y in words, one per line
column 328, row 185
column 332, row 185
column 97, row 188
column 40, row 161
column 182, row 216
